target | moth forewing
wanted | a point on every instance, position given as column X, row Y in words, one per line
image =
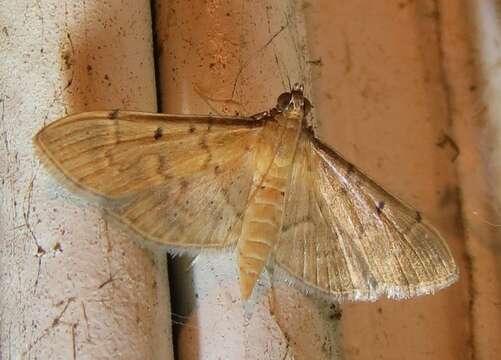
column 265, row 183
column 179, row 180
column 346, row 237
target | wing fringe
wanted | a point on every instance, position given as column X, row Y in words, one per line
column 375, row 293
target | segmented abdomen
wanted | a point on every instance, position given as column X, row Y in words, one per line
column 263, row 217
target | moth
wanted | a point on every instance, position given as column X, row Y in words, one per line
column 263, row 185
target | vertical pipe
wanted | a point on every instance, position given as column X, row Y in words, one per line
column 234, row 57
column 72, row 286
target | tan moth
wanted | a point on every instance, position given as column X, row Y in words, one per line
column 264, row 185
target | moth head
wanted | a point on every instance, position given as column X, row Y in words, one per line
column 293, row 102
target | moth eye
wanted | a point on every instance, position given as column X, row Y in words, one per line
column 283, row 101
column 307, row 106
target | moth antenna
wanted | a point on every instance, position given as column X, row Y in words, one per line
column 484, row 220
column 289, row 81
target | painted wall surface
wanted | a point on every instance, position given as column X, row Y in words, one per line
column 72, row 285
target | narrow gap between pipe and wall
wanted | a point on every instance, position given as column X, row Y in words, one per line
column 171, row 268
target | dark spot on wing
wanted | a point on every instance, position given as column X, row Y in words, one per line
column 380, row 207
column 163, row 166
column 158, row 133
column 184, row 184
column 208, row 161
column 113, row 114
column 192, row 129
column 303, row 220
column 216, row 169
column 419, row 218
column 203, row 143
